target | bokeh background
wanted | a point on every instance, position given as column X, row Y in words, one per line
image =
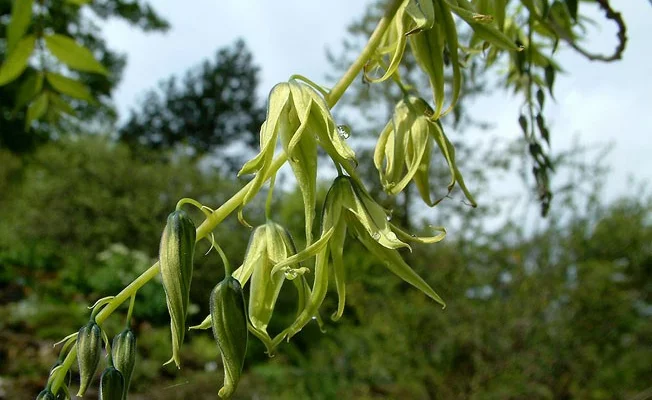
column 540, row 308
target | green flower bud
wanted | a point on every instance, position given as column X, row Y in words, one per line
column 45, row 394
column 176, row 261
column 124, row 355
column 89, row 351
column 229, row 321
column 112, row 384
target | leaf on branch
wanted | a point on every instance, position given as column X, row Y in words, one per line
column 79, row 2
column 36, row 109
column 21, row 15
column 73, row 54
column 29, row 88
column 16, row 63
column 69, row 87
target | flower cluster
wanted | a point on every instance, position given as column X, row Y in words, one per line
column 298, row 124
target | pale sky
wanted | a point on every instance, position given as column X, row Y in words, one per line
column 596, row 102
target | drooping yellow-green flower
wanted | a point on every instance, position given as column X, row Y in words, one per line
column 349, row 207
column 404, row 147
column 299, row 117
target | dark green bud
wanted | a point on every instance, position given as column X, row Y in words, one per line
column 45, row 394
column 112, row 384
column 176, row 261
column 89, row 351
column 229, row 320
column 124, row 355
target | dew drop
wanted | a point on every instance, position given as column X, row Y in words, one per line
column 376, row 235
column 391, row 236
column 344, row 131
column 314, row 318
column 390, row 214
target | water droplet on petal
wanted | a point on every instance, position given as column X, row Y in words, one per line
column 376, row 235
column 391, row 236
column 314, row 318
column 390, row 214
column 344, row 131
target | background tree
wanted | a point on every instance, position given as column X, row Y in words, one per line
column 47, row 92
column 213, row 106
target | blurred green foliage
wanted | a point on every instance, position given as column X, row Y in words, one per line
column 563, row 313
column 88, row 69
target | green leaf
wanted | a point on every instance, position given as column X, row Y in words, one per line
column 541, row 124
column 74, row 55
column 541, row 98
column 29, row 88
column 16, row 63
column 79, row 2
column 59, row 104
column 522, row 121
column 36, row 109
column 69, row 87
column 572, row 6
column 550, row 78
column 21, row 15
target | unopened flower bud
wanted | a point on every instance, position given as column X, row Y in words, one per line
column 89, row 351
column 124, row 355
column 229, row 321
column 112, row 384
column 176, row 261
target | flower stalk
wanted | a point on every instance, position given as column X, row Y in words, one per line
column 231, row 205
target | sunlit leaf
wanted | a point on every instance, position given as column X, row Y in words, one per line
column 79, row 2
column 73, row 54
column 16, row 62
column 21, row 15
column 69, row 87
column 59, row 104
column 36, row 109
column 29, row 88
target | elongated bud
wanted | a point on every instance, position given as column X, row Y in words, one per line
column 45, row 394
column 176, row 261
column 229, row 320
column 112, row 384
column 124, row 355
column 89, row 351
